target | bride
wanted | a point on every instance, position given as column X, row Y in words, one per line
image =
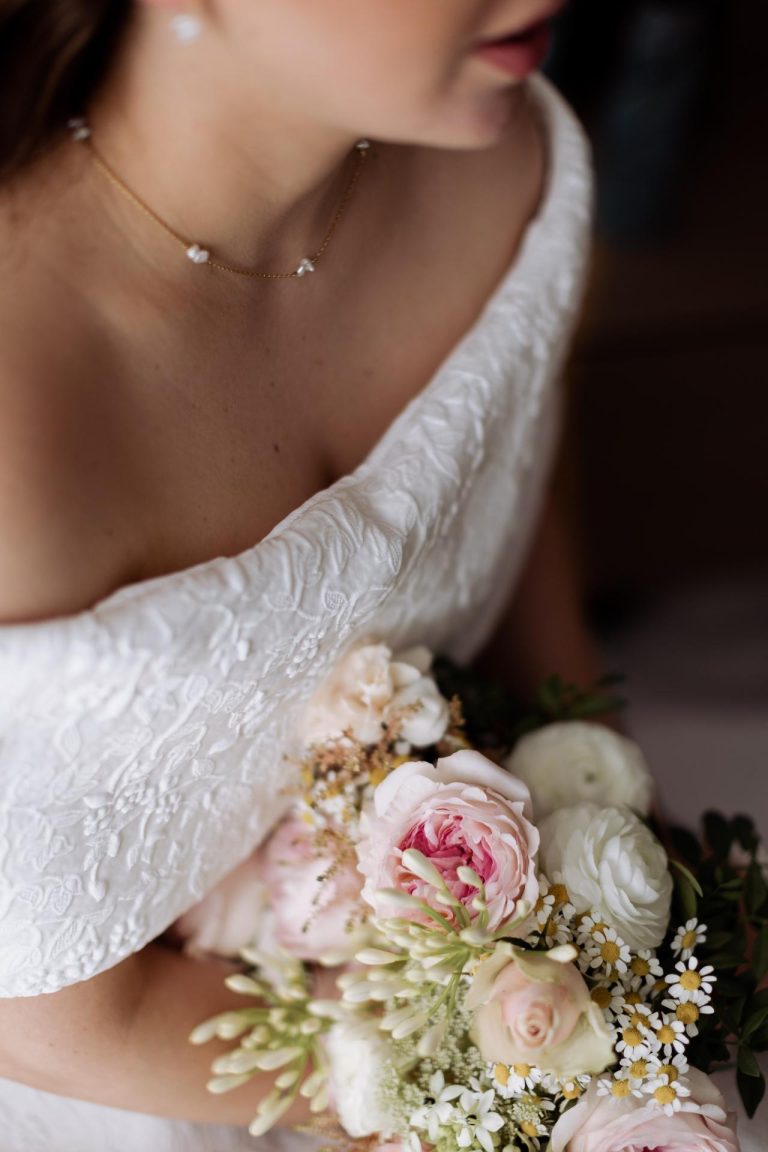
column 213, row 480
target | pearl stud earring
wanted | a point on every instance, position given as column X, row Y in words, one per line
column 186, row 27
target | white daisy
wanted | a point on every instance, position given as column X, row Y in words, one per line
column 634, row 1040
column 618, row 1086
column 688, row 1013
column 690, row 983
column 640, row 1068
column 513, row 1079
column 610, row 998
column 667, row 1094
column 607, row 951
column 643, row 970
column 688, row 937
column 589, row 924
column 669, row 1036
column 674, row 1067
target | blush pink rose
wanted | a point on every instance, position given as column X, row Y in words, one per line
column 230, row 915
column 464, row 810
column 316, row 904
column 535, row 1008
column 606, row 1124
column 277, row 896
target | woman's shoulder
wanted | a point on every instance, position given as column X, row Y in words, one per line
column 59, row 487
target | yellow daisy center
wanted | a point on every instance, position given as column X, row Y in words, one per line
column 620, row 1088
column 632, row 998
column 639, row 1069
column 601, row 996
column 665, row 1094
column 690, row 940
column 687, row 1013
column 690, row 980
column 560, row 893
column 529, row 1129
column 571, row 1090
column 610, row 951
column 632, row 1037
column 599, row 927
column 669, row 1071
column 666, row 1034
column 637, row 1020
column 501, row 1074
column 522, row 1070
column 639, row 967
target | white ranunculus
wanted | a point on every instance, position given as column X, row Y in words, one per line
column 360, row 1058
column 365, row 689
column 572, row 761
column 610, row 861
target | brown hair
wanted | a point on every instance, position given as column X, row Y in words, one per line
column 53, row 55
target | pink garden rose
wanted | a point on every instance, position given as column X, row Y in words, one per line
column 316, row 904
column 535, row 1008
column 277, row 896
column 229, row 916
column 607, row 1124
column 464, row 810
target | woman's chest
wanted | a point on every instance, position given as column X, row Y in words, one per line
column 249, row 430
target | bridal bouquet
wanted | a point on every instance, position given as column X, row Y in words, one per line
column 521, row 965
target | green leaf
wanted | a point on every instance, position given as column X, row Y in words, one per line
column 754, row 1021
column 686, row 894
column 725, row 960
column 747, row 1061
column 731, row 1014
column 689, row 877
column 731, row 986
column 755, row 889
column 717, row 941
column 760, row 954
column 734, row 884
column 751, row 1090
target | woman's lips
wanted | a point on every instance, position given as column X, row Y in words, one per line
column 520, row 54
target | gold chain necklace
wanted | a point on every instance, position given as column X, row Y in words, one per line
column 195, row 252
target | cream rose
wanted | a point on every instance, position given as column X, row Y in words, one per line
column 606, row 1124
column 610, row 861
column 366, row 688
column 535, row 1008
column 360, row 1060
column 572, row 761
column 464, row 810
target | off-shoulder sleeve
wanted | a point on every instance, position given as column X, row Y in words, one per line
column 148, row 744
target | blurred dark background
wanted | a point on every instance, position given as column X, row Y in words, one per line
column 667, row 463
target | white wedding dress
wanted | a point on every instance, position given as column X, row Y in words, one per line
column 142, row 741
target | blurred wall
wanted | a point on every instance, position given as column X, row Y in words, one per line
column 668, row 454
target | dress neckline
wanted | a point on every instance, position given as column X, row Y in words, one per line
column 557, row 120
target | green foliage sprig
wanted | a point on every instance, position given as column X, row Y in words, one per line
column 497, row 719
column 729, row 894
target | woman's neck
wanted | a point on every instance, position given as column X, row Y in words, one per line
column 210, row 143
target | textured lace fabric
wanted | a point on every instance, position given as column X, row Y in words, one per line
column 144, row 741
